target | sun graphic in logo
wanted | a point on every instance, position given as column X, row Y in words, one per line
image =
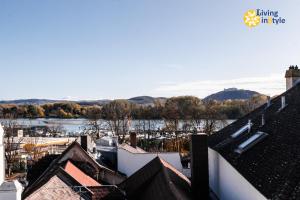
column 251, row 19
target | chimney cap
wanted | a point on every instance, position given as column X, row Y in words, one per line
column 293, row 71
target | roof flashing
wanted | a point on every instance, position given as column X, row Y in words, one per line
column 247, row 127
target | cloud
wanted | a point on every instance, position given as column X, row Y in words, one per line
column 271, row 85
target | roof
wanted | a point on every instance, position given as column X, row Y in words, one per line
column 131, row 149
column 80, row 176
column 57, row 185
column 272, row 165
column 76, row 154
column 55, row 188
column 157, row 180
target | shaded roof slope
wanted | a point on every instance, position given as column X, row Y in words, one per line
column 157, row 180
column 272, row 165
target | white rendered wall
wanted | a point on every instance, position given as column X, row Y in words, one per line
column 10, row 195
column 13, row 194
column 129, row 163
column 227, row 183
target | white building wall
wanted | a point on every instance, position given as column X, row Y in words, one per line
column 9, row 195
column 129, row 163
column 13, row 194
column 227, row 183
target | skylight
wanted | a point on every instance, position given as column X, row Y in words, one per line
column 247, row 127
column 254, row 139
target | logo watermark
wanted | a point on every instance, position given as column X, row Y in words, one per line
column 256, row 17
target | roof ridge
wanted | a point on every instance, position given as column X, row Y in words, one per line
column 171, row 167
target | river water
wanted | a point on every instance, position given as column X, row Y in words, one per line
column 77, row 125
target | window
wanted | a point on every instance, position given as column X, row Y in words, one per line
column 247, row 127
column 250, row 142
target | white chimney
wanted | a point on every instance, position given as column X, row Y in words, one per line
column 292, row 76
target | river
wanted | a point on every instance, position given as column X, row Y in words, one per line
column 76, row 125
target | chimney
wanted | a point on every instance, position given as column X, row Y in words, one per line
column 84, row 142
column 282, row 102
column 292, row 76
column 199, row 166
column 133, row 141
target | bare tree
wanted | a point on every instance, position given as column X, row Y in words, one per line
column 94, row 122
column 211, row 117
column 55, row 129
column 33, row 149
column 118, row 116
column 11, row 143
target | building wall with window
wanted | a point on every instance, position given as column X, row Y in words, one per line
column 227, row 183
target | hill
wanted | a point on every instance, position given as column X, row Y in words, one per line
column 232, row 94
column 142, row 100
column 146, row 100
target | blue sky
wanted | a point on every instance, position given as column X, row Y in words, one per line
column 123, row 48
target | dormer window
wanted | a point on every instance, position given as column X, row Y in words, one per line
column 283, row 104
column 245, row 128
column 268, row 101
column 250, row 142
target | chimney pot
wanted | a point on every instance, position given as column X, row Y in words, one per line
column 84, row 142
column 199, row 166
column 292, row 76
column 133, row 141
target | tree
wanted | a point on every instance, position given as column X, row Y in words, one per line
column 33, row 150
column 211, row 117
column 94, row 122
column 11, row 143
column 256, row 101
column 180, row 109
column 118, row 116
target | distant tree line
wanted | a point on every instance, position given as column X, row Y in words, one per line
column 173, row 109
